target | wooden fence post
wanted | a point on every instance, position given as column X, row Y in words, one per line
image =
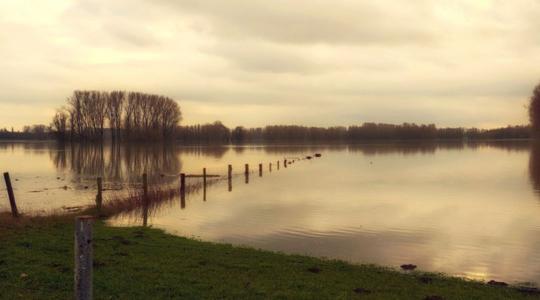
column 99, row 196
column 182, row 190
column 204, row 177
column 83, row 258
column 183, row 183
column 204, row 184
column 11, row 195
column 229, row 178
column 278, row 164
column 246, row 172
column 145, row 199
column 285, row 163
column 270, row 167
column 260, row 170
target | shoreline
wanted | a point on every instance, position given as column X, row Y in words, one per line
column 36, row 261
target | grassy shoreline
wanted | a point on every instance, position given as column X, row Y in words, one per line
column 36, row 262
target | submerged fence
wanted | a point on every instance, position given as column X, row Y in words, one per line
column 145, row 198
column 83, row 241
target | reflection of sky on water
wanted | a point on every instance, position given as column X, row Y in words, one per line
column 462, row 209
column 470, row 212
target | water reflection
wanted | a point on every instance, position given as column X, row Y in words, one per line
column 182, row 200
column 462, row 208
column 534, row 166
column 145, row 209
column 117, row 163
column 431, row 147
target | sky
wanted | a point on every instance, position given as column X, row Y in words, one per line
column 256, row 62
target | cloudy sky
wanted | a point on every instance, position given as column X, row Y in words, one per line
column 257, row 62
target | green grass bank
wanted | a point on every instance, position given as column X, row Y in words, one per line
column 36, row 262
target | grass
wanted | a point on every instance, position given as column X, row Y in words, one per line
column 36, row 262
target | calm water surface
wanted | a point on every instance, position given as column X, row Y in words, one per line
column 465, row 209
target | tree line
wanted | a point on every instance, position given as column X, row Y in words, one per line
column 127, row 115
column 219, row 133
column 31, row 132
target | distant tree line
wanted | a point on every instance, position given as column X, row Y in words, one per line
column 218, row 133
column 127, row 115
column 33, row 132
column 206, row 133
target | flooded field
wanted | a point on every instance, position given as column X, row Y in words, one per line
column 465, row 209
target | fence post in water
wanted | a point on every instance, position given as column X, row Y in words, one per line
column 99, row 196
column 260, row 170
column 182, row 190
column 183, row 184
column 11, row 195
column 246, row 172
column 270, row 167
column 285, row 163
column 145, row 186
column 204, row 184
column 278, row 164
column 230, row 178
column 145, row 199
column 83, row 257
column 204, row 176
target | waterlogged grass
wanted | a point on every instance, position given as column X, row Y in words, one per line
column 36, row 262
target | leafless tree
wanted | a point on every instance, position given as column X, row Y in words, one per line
column 137, row 115
column 75, row 114
column 151, row 116
column 96, row 113
column 114, row 112
column 534, row 111
column 59, row 124
column 87, row 114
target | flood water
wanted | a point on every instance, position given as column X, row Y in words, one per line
column 466, row 209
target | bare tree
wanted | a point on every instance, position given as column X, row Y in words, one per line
column 534, row 111
column 75, row 114
column 170, row 117
column 114, row 111
column 136, row 115
column 151, row 116
column 96, row 113
column 59, row 124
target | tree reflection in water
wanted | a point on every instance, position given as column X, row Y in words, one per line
column 534, row 166
column 119, row 163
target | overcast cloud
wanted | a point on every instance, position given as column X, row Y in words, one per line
column 254, row 62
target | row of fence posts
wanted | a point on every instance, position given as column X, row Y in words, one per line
column 145, row 198
column 99, row 196
column 83, row 224
column 83, row 282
